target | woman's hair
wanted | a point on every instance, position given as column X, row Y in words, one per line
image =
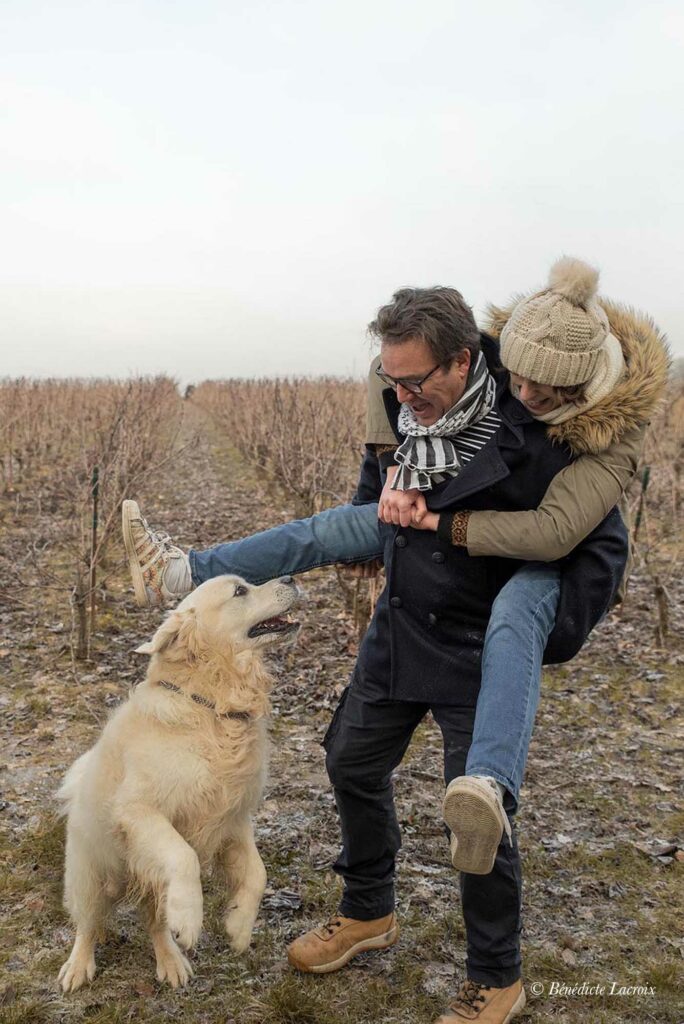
column 440, row 316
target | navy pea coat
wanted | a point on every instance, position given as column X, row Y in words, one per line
column 425, row 640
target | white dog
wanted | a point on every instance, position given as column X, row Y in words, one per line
column 171, row 785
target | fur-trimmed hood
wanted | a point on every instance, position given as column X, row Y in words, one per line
column 633, row 401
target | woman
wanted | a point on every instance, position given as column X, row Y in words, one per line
column 594, row 373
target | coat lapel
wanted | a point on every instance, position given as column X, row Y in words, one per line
column 484, row 470
column 488, row 466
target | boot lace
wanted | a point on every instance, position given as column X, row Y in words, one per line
column 331, row 925
column 469, row 994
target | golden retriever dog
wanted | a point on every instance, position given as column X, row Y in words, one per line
column 170, row 787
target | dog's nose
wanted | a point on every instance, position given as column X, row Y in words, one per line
column 286, row 579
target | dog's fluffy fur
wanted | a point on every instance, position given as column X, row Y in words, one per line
column 172, row 783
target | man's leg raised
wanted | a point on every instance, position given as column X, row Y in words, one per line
column 161, row 571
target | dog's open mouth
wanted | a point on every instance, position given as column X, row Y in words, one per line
column 276, row 624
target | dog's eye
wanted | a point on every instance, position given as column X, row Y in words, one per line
column 240, row 591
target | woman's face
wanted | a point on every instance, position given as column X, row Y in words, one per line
column 537, row 398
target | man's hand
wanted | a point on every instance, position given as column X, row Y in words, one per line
column 400, row 508
column 361, row 570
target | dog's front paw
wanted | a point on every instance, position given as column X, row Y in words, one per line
column 172, row 966
column 184, row 912
column 239, row 927
column 78, row 969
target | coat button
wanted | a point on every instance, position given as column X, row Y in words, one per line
column 395, row 602
column 438, row 556
column 400, row 541
column 432, row 619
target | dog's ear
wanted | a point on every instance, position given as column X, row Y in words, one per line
column 178, row 630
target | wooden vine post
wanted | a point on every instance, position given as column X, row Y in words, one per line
column 95, row 493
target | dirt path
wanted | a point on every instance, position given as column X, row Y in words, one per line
column 602, row 777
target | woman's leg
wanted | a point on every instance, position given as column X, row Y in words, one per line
column 346, row 533
column 162, row 571
column 522, row 617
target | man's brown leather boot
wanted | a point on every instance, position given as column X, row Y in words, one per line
column 334, row 944
column 485, row 1004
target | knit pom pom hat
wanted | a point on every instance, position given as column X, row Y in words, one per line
column 559, row 336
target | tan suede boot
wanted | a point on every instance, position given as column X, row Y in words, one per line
column 485, row 1004
column 334, row 944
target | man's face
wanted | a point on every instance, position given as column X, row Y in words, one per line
column 412, row 360
column 537, row 398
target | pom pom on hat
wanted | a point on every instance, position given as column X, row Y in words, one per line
column 574, row 280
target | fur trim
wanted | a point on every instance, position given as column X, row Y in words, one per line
column 574, row 280
column 634, row 401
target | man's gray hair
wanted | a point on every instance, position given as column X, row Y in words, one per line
column 439, row 315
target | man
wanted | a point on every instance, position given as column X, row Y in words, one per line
column 423, row 647
column 471, row 446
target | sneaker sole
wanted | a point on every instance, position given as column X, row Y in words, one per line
column 383, row 941
column 130, row 510
column 474, row 821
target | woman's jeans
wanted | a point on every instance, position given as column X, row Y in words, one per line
column 346, row 533
column 522, row 617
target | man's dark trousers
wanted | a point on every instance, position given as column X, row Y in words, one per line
column 367, row 739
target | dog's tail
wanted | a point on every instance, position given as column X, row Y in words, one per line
column 72, row 781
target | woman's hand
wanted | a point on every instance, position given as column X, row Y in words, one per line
column 428, row 521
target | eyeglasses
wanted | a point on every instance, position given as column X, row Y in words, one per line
column 414, row 386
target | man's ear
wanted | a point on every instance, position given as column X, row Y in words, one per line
column 178, row 630
column 464, row 359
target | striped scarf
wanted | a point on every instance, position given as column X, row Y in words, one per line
column 428, row 451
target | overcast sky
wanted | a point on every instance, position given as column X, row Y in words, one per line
column 211, row 188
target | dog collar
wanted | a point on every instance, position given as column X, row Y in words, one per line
column 239, row 716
